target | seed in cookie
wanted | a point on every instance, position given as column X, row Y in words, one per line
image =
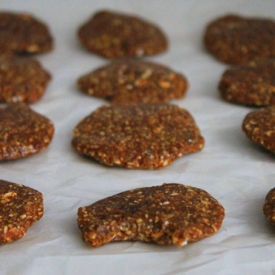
column 23, row 132
column 252, row 83
column 22, row 79
column 23, row 33
column 170, row 214
column 20, row 208
column 134, row 80
column 137, row 135
column 116, row 35
column 236, row 39
column 259, row 126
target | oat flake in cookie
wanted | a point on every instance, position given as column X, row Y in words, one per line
column 170, row 214
column 116, row 35
column 269, row 206
column 137, row 136
column 134, row 80
column 235, row 39
column 23, row 33
column 20, row 207
column 23, row 132
column 259, row 126
column 22, row 79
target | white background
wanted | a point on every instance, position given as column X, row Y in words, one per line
column 231, row 168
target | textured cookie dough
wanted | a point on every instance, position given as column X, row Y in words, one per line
column 115, row 35
column 137, row 136
column 134, row 80
column 170, row 214
column 20, row 208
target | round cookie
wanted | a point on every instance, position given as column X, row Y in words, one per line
column 23, row 132
column 22, row 80
column 170, row 214
column 116, row 35
column 23, row 33
column 269, row 206
column 235, row 39
column 259, row 126
column 137, row 136
column 134, row 80
column 20, row 208
column 252, row 83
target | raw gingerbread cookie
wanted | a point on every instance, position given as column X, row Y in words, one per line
column 23, row 132
column 250, row 84
column 170, row 214
column 116, row 35
column 23, row 33
column 134, row 80
column 20, row 208
column 259, row 126
column 269, row 206
column 235, row 39
column 137, row 136
column 22, row 79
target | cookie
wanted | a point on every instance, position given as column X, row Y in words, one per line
column 23, row 132
column 269, row 206
column 20, row 208
column 134, row 80
column 259, row 126
column 23, row 33
column 170, row 214
column 236, row 39
column 252, row 83
column 115, row 35
column 137, row 135
column 22, row 80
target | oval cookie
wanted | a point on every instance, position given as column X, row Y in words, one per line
column 269, row 206
column 22, row 80
column 137, row 136
column 20, row 207
column 170, row 214
column 259, row 126
column 132, row 80
column 116, row 35
column 23, row 132
column 236, row 39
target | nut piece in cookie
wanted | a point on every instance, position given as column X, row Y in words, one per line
column 23, row 33
column 20, row 208
column 259, row 126
column 116, row 35
column 235, row 39
column 170, row 214
column 137, row 135
column 22, row 79
column 134, row 80
column 23, row 132
column 252, row 83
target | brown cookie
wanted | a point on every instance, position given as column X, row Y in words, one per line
column 133, row 80
column 22, row 80
column 250, row 84
column 20, row 207
column 23, row 33
column 269, row 206
column 170, row 214
column 116, row 35
column 23, row 132
column 137, row 136
column 259, row 126
column 235, row 39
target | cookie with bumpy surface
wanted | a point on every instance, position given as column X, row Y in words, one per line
column 23, row 132
column 170, row 214
column 137, row 135
column 259, row 126
column 115, row 35
column 134, row 80
column 269, row 206
column 20, row 208
column 22, row 79
column 236, row 39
